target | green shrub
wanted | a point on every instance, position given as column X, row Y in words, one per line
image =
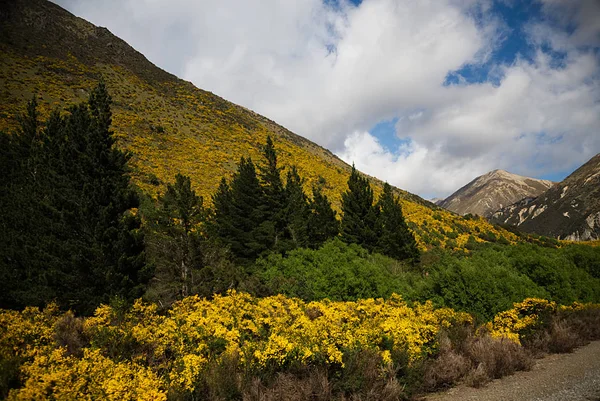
column 557, row 271
column 337, row 271
column 483, row 284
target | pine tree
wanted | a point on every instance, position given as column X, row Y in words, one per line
column 74, row 239
column 274, row 225
column 176, row 242
column 297, row 212
column 220, row 224
column 395, row 240
column 359, row 219
column 239, row 214
column 322, row 222
column 22, row 281
column 107, row 198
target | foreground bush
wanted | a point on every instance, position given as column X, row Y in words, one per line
column 509, row 342
column 116, row 353
column 238, row 347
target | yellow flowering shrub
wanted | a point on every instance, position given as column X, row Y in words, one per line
column 23, row 334
column 578, row 306
column 57, row 376
column 141, row 354
column 522, row 319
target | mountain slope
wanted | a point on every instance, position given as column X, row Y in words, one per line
column 492, row 191
column 569, row 210
column 170, row 125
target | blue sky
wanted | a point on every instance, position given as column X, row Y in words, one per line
column 425, row 94
column 514, row 44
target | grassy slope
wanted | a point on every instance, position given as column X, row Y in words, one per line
column 170, row 125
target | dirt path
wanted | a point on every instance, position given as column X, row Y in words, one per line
column 565, row 377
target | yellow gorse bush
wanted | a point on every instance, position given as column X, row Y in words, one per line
column 140, row 354
column 91, row 377
column 527, row 316
column 521, row 319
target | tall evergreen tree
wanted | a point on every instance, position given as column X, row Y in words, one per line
column 359, row 220
column 239, row 214
column 297, row 211
column 107, row 198
column 176, row 241
column 396, row 240
column 21, row 243
column 322, row 222
column 220, row 224
column 83, row 246
column 274, row 224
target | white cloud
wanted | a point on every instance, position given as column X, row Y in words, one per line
column 274, row 57
column 330, row 74
column 411, row 166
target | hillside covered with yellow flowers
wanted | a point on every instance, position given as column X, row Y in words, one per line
column 171, row 126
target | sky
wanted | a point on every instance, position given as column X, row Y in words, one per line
column 425, row 94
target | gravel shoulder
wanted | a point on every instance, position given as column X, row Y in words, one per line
column 558, row 377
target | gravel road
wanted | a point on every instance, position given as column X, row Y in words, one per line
column 564, row 377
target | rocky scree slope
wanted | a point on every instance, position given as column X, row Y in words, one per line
column 570, row 210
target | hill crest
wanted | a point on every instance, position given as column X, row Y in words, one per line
column 492, row 191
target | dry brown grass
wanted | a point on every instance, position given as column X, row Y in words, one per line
column 315, row 386
column 498, row 357
column 585, row 323
column 475, row 360
column 565, row 332
column 363, row 378
column 562, row 337
column 447, row 369
column 69, row 334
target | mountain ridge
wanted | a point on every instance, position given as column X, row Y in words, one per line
column 491, row 191
column 570, row 210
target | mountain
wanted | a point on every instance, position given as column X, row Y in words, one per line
column 569, row 210
column 168, row 124
column 492, row 191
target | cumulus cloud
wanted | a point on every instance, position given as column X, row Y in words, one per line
column 330, row 71
column 412, row 166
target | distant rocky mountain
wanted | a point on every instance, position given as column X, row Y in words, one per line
column 569, row 210
column 493, row 191
column 436, row 201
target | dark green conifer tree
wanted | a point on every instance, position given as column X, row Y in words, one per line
column 273, row 228
column 220, row 224
column 359, row 220
column 75, row 240
column 239, row 214
column 395, row 240
column 21, row 243
column 297, row 212
column 107, row 197
column 322, row 222
column 176, row 242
